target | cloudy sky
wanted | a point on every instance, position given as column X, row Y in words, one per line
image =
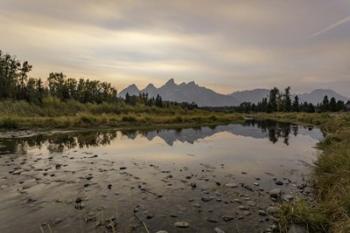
column 226, row 45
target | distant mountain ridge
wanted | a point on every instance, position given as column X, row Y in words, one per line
column 205, row 97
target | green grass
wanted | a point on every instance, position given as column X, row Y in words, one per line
column 54, row 114
column 330, row 212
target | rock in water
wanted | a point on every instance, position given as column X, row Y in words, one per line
column 218, row 230
column 287, row 197
column 227, row 218
column 231, row 185
column 275, row 193
column 207, row 199
column 182, row 224
column 273, row 211
column 296, row 229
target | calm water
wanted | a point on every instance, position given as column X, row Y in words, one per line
column 160, row 177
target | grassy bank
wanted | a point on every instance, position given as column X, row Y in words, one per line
column 331, row 177
column 53, row 114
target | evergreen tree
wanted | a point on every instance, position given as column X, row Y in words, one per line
column 287, row 100
column 332, row 105
column 295, row 106
column 325, row 104
column 159, row 101
column 273, row 99
column 340, row 105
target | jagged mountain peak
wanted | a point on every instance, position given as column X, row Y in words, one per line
column 133, row 86
column 170, row 82
column 150, row 86
column 203, row 96
column 192, row 83
column 131, row 90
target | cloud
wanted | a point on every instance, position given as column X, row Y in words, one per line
column 224, row 44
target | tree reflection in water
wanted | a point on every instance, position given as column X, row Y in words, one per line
column 57, row 143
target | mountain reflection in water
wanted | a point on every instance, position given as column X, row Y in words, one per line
column 271, row 130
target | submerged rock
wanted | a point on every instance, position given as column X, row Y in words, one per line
column 275, row 193
column 227, row 218
column 273, row 210
column 207, row 199
column 261, row 212
column 279, row 182
column 182, row 224
column 296, row 229
column 287, row 197
column 231, row 185
column 242, row 207
column 212, row 220
column 218, row 230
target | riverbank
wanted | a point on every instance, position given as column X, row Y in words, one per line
column 331, row 177
column 118, row 121
column 53, row 114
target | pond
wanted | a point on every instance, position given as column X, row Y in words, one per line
column 228, row 178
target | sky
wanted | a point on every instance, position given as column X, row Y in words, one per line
column 226, row 45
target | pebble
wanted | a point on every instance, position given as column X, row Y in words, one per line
column 275, row 193
column 242, row 207
column 57, row 221
column 207, row 199
column 227, row 218
column 231, row 185
column 279, row 182
column 182, row 224
column 273, row 211
column 261, row 212
column 287, row 197
column 251, row 203
column 218, row 230
column 296, row 229
column 246, row 213
column 211, row 220
column 237, row 200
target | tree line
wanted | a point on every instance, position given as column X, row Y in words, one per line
column 144, row 99
column 15, row 84
column 282, row 101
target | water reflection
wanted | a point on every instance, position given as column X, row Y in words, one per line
column 271, row 130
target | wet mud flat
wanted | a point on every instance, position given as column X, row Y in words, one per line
column 115, row 182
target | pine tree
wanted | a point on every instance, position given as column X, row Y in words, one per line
column 333, row 105
column 287, row 100
column 325, row 104
column 295, row 106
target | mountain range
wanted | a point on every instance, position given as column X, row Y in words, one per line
column 205, row 97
